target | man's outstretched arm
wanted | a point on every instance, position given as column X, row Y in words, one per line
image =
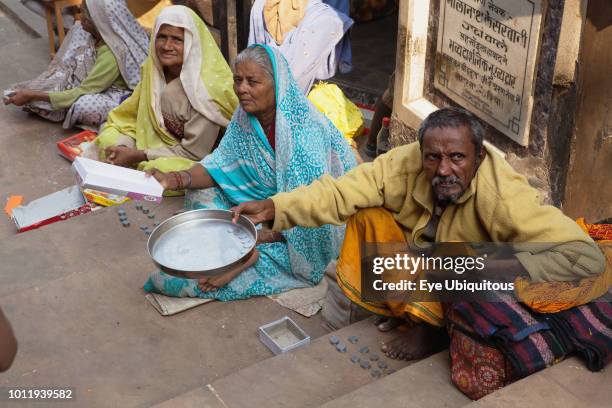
column 325, row 201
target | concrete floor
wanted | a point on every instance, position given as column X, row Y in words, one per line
column 73, row 289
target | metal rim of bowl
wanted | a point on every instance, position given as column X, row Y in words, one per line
column 189, row 216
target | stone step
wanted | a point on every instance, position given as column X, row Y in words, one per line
column 197, row 398
column 306, row 377
column 423, row 384
column 567, row 384
column 426, row 383
column 32, row 24
column 23, row 57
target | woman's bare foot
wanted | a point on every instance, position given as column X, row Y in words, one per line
column 215, row 282
column 420, row 340
column 385, row 324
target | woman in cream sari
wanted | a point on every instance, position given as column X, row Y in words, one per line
column 185, row 97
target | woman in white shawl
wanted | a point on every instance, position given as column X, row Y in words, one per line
column 95, row 69
column 309, row 34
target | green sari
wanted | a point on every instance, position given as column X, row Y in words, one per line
column 207, row 81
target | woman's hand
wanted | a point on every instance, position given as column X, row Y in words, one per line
column 19, row 98
column 167, row 180
column 256, row 211
column 124, row 156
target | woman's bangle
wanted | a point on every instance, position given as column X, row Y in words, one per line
column 188, row 183
column 178, row 179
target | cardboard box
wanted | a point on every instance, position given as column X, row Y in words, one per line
column 58, row 206
column 117, row 180
column 104, row 199
column 73, row 146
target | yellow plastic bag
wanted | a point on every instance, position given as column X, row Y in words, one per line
column 343, row 113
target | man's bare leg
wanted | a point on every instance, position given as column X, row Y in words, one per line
column 385, row 324
column 417, row 341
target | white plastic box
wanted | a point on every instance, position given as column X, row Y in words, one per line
column 117, row 180
column 283, row 335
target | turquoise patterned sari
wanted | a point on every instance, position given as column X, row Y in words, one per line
column 245, row 167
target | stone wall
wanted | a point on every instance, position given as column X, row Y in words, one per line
column 545, row 160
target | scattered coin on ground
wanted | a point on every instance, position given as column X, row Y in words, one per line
column 365, row 364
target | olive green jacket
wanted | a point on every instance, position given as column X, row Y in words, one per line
column 498, row 206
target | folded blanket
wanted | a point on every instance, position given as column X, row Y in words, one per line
column 586, row 329
column 527, row 343
column 533, row 341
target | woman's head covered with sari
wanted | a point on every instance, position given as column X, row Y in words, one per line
column 119, row 30
column 310, row 34
column 205, row 76
column 307, row 146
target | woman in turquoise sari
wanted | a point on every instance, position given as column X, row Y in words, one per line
column 276, row 141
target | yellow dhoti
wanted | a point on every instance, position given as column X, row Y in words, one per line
column 553, row 297
column 376, row 225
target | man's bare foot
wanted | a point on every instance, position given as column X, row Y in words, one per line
column 385, row 324
column 215, row 282
column 420, row 340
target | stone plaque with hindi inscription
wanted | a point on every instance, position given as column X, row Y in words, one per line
column 485, row 60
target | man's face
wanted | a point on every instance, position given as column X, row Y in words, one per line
column 449, row 161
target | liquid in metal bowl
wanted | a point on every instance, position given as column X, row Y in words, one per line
column 201, row 243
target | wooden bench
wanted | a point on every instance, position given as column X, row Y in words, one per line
column 56, row 7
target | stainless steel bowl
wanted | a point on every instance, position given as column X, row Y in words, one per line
column 201, row 243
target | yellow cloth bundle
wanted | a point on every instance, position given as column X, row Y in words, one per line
column 282, row 16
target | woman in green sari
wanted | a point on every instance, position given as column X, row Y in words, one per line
column 183, row 101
